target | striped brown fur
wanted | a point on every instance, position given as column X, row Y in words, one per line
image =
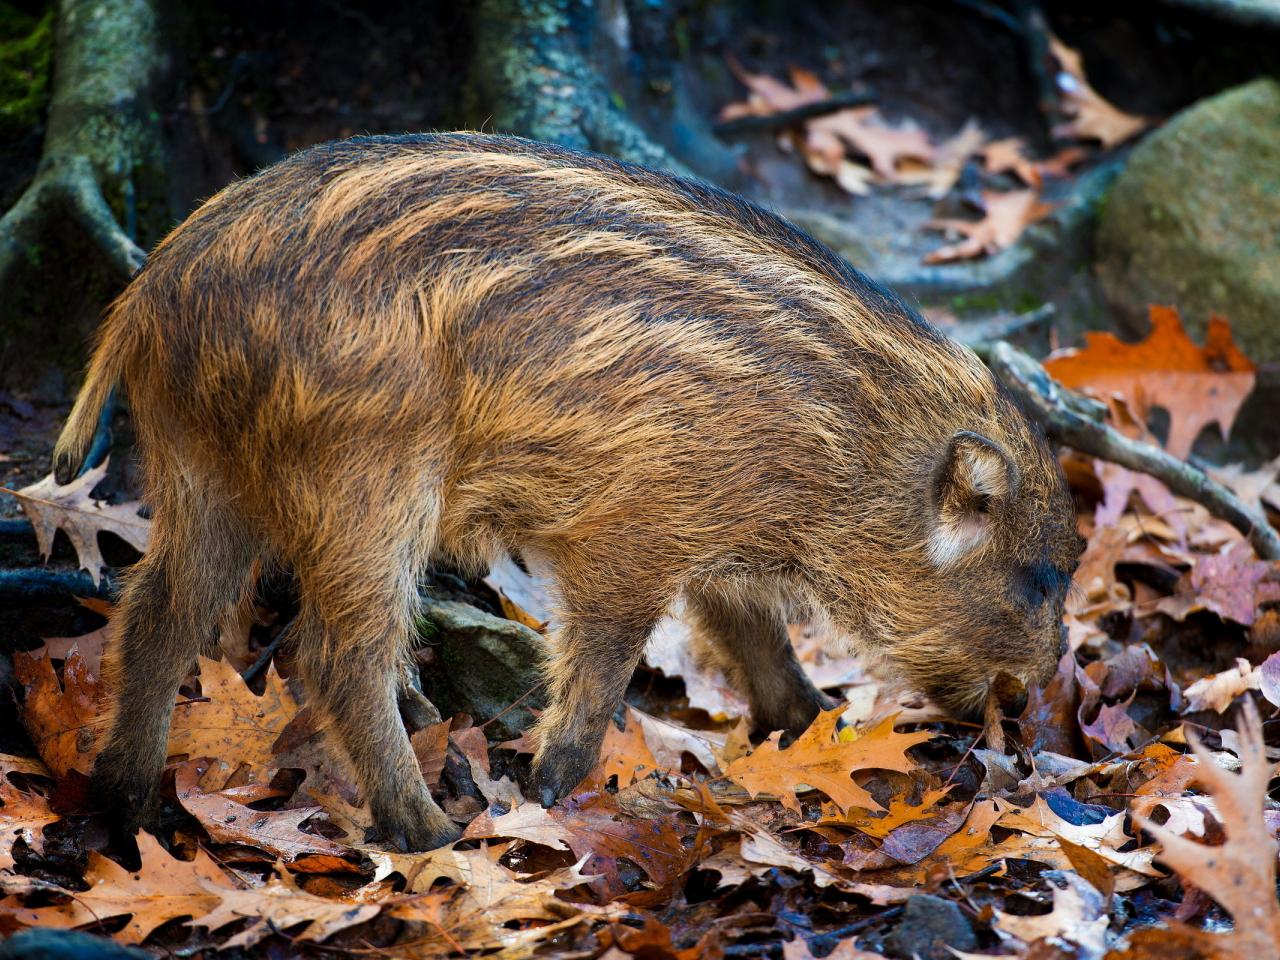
column 386, row 350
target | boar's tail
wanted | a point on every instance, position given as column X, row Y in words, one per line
column 77, row 436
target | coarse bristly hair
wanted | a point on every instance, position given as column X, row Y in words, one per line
column 389, row 349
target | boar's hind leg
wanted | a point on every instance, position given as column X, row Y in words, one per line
column 199, row 562
column 350, row 639
column 416, row 710
column 748, row 639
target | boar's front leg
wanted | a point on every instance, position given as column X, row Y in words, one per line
column 596, row 650
column 350, row 649
column 749, row 641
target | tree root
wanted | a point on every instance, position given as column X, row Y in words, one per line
column 1076, row 421
column 533, row 76
column 41, row 587
column 100, row 130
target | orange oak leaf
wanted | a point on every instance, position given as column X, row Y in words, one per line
column 71, row 509
column 1241, row 873
column 163, row 889
column 63, row 718
column 1008, row 215
column 820, row 760
column 1196, row 385
column 233, row 721
column 624, row 754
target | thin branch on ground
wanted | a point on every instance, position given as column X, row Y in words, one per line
column 787, row 118
column 1075, row 421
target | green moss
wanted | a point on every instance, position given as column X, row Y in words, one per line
column 26, row 55
column 991, row 301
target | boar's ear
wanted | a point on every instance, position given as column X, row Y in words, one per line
column 973, row 479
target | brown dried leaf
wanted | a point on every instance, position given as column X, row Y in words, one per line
column 1093, row 118
column 1009, row 156
column 51, row 508
column 23, row 816
column 594, row 827
column 278, row 832
column 1008, row 215
column 1217, row 691
column 1224, row 583
column 234, row 722
column 863, row 130
column 277, row 906
column 473, row 915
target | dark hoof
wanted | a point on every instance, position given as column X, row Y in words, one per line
column 131, row 805
column 792, row 718
column 414, row 825
column 556, row 771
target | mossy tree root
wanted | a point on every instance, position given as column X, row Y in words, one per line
column 532, row 74
column 102, row 131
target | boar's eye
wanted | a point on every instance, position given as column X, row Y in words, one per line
column 1039, row 582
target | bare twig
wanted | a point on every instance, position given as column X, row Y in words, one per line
column 786, row 118
column 1075, row 421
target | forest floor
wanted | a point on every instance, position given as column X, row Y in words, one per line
column 1087, row 825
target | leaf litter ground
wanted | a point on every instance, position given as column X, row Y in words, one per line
column 1123, row 814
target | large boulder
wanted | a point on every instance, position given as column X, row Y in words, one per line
column 1194, row 219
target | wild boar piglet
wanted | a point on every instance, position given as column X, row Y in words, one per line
column 391, row 350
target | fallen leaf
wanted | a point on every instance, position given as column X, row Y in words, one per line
column 1225, row 583
column 233, row 721
column 820, row 760
column 1079, row 916
column 1217, row 691
column 942, row 171
column 71, row 509
column 277, row 906
column 863, row 130
column 163, row 889
column 769, row 95
column 1009, row 156
column 1093, row 118
column 23, row 816
column 63, row 718
column 624, row 754
column 1241, row 873
column 1007, row 216
column 592, row 825
column 1196, row 385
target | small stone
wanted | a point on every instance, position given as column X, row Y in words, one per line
column 930, row 925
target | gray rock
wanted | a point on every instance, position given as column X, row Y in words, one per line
column 930, row 925
column 1194, row 219
column 486, row 664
